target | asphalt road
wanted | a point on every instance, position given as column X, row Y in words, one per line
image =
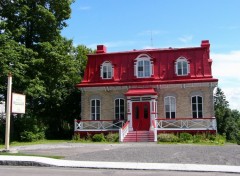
column 228, row 154
column 50, row 171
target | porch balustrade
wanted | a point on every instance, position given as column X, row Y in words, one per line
column 186, row 124
column 98, row 125
column 123, row 131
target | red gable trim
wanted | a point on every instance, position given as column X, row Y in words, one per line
column 140, row 92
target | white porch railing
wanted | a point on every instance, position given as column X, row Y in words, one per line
column 123, row 131
column 97, row 125
column 186, row 124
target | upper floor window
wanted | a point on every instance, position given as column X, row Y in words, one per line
column 143, row 66
column 182, row 67
column 106, row 70
column 170, row 107
column 197, row 106
column 119, row 109
column 95, row 109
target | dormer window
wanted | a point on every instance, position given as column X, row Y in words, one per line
column 106, row 70
column 143, row 66
column 182, row 67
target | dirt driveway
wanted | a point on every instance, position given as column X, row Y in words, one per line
column 228, row 154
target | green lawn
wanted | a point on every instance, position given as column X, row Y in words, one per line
column 2, row 146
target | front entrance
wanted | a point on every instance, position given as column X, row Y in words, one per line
column 141, row 116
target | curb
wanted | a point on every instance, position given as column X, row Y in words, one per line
column 49, row 162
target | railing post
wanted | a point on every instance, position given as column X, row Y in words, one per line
column 75, row 125
column 120, row 135
column 155, row 134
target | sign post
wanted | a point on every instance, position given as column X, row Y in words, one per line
column 8, row 112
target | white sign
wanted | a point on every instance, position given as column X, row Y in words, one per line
column 2, row 107
column 18, row 103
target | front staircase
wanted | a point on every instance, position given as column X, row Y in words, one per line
column 139, row 136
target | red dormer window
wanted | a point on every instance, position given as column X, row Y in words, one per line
column 143, row 66
column 182, row 67
column 106, row 70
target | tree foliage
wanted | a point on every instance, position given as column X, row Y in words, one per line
column 228, row 120
column 35, row 21
column 45, row 66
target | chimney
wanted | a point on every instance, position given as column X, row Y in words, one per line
column 101, row 49
column 205, row 43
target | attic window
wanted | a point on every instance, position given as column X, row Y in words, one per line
column 106, row 70
column 182, row 67
column 143, row 66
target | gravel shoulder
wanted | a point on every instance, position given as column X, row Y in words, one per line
column 228, row 154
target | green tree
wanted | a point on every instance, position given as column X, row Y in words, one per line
column 222, row 111
column 34, row 21
column 47, row 66
column 227, row 119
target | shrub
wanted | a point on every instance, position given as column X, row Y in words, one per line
column 219, row 139
column 238, row 138
column 98, row 138
column 88, row 137
column 166, row 137
column 76, row 137
column 185, row 137
column 29, row 136
column 112, row 137
column 197, row 138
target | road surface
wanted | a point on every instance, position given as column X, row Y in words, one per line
column 54, row 171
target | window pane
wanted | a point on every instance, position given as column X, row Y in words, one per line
column 173, row 115
column 194, row 114
column 93, row 110
column 122, row 116
column 136, row 112
column 145, row 109
column 168, row 115
column 98, row 102
column 140, row 68
column 194, row 107
column 93, row 103
column 93, row 117
column 199, row 107
column 193, row 99
column 179, row 68
column 200, row 114
column 167, row 108
column 199, row 99
column 98, row 117
column 184, row 68
column 173, row 104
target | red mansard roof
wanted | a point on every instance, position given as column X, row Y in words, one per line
column 163, row 66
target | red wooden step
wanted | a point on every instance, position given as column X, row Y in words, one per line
column 139, row 136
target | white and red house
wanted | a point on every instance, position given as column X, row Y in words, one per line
column 146, row 92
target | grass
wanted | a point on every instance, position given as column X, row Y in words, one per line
column 24, row 154
column 45, row 141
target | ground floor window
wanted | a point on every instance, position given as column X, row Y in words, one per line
column 95, row 109
column 170, row 107
column 119, row 109
column 197, row 107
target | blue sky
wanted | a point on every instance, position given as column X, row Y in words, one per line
column 139, row 24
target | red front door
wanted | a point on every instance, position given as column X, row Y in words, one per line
column 141, row 116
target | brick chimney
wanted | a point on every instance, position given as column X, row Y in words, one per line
column 205, row 43
column 101, row 49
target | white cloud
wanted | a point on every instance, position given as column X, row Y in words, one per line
column 186, row 38
column 226, row 67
